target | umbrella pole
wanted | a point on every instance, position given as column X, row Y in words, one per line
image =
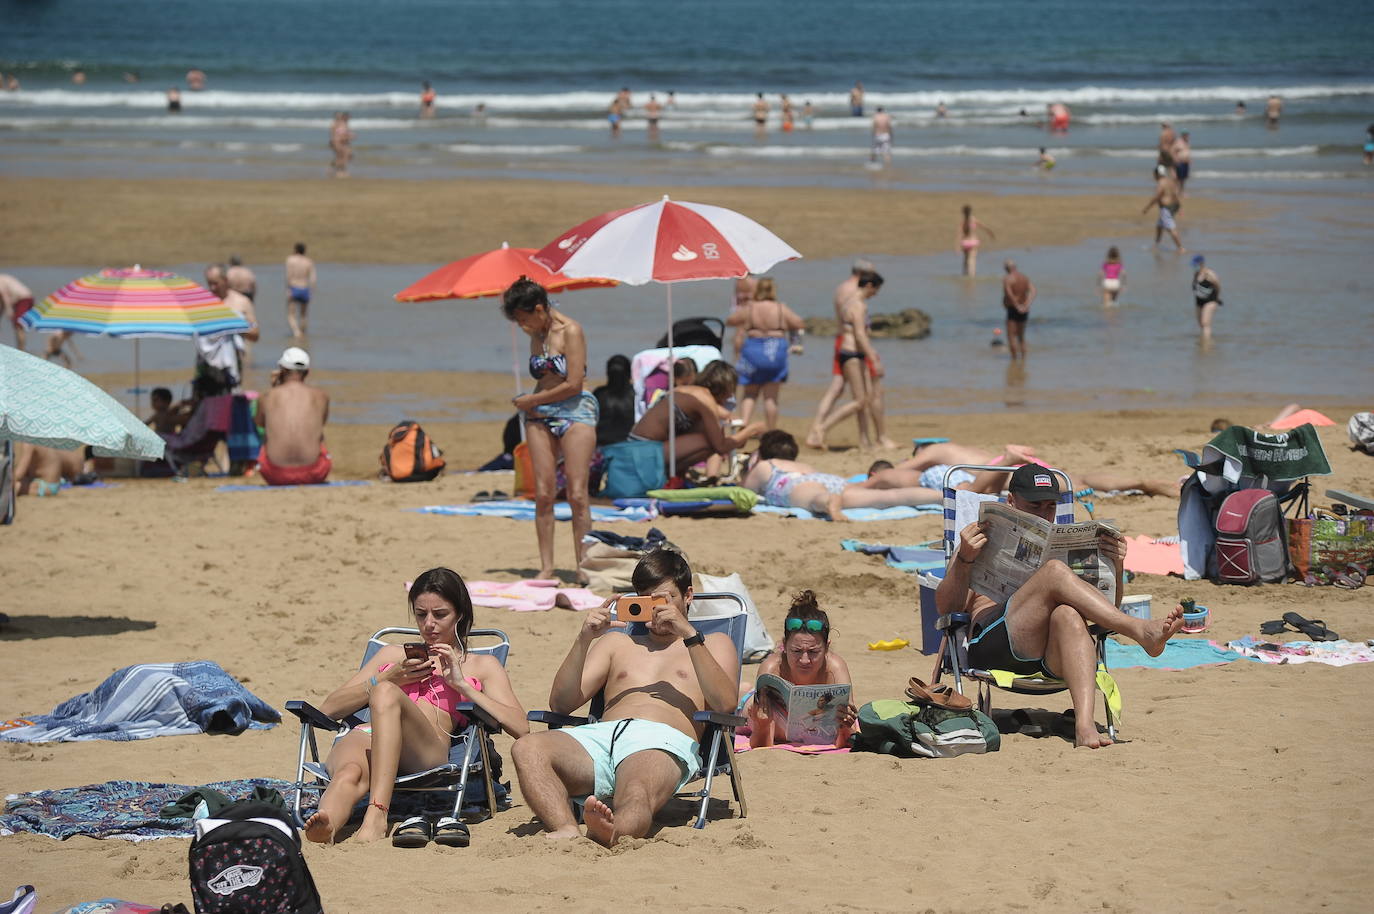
column 515, row 372
column 672, row 426
column 138, row 388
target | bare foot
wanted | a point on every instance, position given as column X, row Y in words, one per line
column 369, row 833
column 815, row 440
column 600, row 821
column 547, row 573
column 1158, row 631
column 319, row 829
column 1086, row 737
column 563, row 834
column 887, row 444
column 834, row 506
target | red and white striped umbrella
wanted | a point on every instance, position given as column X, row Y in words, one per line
column 667, row 241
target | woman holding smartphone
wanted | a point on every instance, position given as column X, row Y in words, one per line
column 411, row 693
column 560, row 416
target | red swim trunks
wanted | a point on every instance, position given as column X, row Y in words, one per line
column 21, row 307
column 311, row 475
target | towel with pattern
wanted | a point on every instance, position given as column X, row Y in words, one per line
column 517, row 509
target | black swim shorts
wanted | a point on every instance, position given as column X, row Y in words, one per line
column 989, row 648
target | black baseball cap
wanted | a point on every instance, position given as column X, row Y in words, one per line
column 1032, row 482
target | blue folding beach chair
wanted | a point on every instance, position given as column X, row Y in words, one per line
column 953, row 655
column 718, row 730
column 470, row 752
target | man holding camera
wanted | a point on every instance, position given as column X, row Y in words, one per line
column 644, row 748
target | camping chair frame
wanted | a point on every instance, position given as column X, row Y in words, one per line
column 467, row 748
column 953, row 655
column 718, row 733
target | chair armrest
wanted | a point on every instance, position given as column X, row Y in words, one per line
column 554, row 720
column 1099, row 631
column 951, row 620
column 719, row 719
column 482, row 716
column 313, row 716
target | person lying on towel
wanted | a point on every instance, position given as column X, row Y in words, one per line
column 292, row 416
column 1043, row 629
column 644, row 748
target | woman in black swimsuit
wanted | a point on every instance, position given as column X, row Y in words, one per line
column 1206, row 294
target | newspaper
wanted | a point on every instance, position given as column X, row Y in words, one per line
column 1019, row 543
column 809, row 713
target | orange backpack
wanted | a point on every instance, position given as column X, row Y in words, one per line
column 410, row 455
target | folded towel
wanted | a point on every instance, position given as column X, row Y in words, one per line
column 266, row 488
column 534, row 594
column 901, row 512
column 743, row 498
column 524, row 510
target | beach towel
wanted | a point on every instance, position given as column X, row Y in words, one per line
column 333, row 483
column 1331, row 653
column 743, row 499
column 901, row 512
column 742, row 745
column 531, row 595
column 914, row 559
column 243, row 439
column 1179, row 654
column 1302, row 417
column 1153, row 555
column 115, row 809
column 152, row 699
column 524, row 510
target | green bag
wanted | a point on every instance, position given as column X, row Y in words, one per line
column 910, row 730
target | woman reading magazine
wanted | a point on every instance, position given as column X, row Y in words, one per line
column 803, row 659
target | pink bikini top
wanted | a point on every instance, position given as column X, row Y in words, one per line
column 1111, row 270
column 437, row 692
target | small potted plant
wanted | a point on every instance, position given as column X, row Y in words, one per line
column 1194, row 616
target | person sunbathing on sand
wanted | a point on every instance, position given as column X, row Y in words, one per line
column 1043, row 628
column 786, row 483
column 803, row 658
column 644, row 748
column 411, row 703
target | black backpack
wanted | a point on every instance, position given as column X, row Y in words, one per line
column 247, row 858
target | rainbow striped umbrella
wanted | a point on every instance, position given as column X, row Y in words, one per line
column 135, row 303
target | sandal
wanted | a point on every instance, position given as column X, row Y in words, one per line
column 941, row 696
column 413, row 832
column 1314, row 629
column 450, row 832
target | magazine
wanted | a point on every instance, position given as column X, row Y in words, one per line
column 1019, row 543
column 807, row 712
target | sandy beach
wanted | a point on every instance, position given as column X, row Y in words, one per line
column 1235, row 784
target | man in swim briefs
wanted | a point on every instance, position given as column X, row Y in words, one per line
column 1017, row 294
column 300, row 285
column 1183, row 159
column 882, row 137
column 292, row 416
column 644, row 747
column 1043, row 629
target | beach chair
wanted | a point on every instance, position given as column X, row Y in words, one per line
column 952, row 658
column 199, row 439
column 470, row 753
column 718, row 730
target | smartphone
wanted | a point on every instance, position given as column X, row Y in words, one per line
column 416, row 650
column 635, row 608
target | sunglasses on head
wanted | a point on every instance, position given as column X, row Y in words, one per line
column 811, row 625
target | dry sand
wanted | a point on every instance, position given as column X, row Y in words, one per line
column 1239, row 789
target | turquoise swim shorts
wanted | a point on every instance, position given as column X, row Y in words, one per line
column 611, row 742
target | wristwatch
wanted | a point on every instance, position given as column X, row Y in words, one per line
column 694, row 640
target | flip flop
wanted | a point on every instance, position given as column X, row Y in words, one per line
column 413, row 832
column 1273, row 627
column 1313, row 628
column 450, row 832
column 942, row 696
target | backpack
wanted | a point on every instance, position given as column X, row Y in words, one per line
column 1251, row 545
column 908, row 729
column 248, row 858
column 410, row 455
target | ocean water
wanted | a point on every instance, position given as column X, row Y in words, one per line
column 546, row 71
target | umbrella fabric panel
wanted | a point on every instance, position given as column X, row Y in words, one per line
column 487, row 275
column 135, row 303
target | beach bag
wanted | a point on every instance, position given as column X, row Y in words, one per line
column 633, row 468
column 908, row 729
column 1360, row 428
column 1325, row 544
column 410, row 455
column 695, row 331
column 1250, row 544
column 757, row 642
column 248, row 858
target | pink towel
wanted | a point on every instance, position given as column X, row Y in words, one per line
column 1302, row 417
column 531, row 595
column 1145, row 556
column 742, row 745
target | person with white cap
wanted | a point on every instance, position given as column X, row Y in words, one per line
column 292, row 416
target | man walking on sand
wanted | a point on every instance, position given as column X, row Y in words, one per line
column 1017, row 294
column 292, row 416
column 1166, row 198
column 882, row 137
column 300, row 286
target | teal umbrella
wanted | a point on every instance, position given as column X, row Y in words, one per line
column 46, row 404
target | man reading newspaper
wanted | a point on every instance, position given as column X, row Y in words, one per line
column 1041, row 627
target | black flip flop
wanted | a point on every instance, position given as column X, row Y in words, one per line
column 1273, row 627
column 413, row 832
column 1314, row 629
column 450, row 832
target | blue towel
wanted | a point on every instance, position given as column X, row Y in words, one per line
column 901, row 512
column 1179, row 654
column 913, row 559
column 243, row 440
column 524, row 510
column 267, row 488
column 152, row 699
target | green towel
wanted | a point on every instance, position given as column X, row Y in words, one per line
column 744, row 499
column 1278, row 455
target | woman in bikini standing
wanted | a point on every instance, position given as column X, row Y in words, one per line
column 560, row 416
column 411, row 704
column 862, row 369
column 765, row 324
column 969, row 228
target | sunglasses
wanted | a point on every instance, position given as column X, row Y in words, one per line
column 811, row 625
